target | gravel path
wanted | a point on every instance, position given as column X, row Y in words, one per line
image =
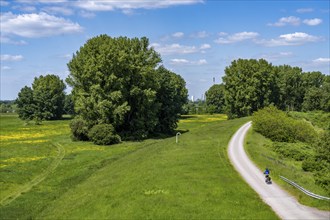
column 285, row 205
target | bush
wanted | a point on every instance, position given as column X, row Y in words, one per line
column 103, row 134
column 79, row 130
column 310, row 165
column 278, row 126
column 295, row 151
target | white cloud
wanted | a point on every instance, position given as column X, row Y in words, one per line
column 110, row 5
column 58, row 10
column 237, row 37
column 3, row 3
column 36, row 25
column 222, row 34
column 322, row 60
column 294, row 39
column 5, row 67
column 305, row 10
column 200, row 34
column 174, row 49
column 179, row 61
column 178, row 35
column 291, row 20
column 187, row 62
column 275, row 56
column 313, row 22
column 205, row 46
column 26, row 8
column 6, row 40
column 7, row 57
column 86, row 14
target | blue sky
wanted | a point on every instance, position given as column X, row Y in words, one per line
column 196, row 38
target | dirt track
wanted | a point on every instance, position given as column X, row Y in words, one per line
column 285, row 205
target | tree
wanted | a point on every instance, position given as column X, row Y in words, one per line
column 215, row 99
column 115, row 81
column 172, row 95
column 26, row 104
column 291, row 87
column 68, row 105
column 45, row 100
column 48, row 94
column 249, row 86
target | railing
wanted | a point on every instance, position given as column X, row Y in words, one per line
column 304, row 190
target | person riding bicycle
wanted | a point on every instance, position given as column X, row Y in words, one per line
column 267, row 172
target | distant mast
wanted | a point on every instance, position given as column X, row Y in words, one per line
column 213, row 80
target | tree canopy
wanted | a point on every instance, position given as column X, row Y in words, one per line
column 253, row 84
column 215, row 99
column 116, row 81
column 45, row 100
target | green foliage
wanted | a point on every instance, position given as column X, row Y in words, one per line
column 278, row 126
column 253, row 84
column 296, row 151
column 249, row 86
column 26, row 104
column 48, row 94
column 116, row 81
column 103, row 134
column 172, row 95
column 68, row 105
column 44, row 101
column 79, row 129
column 215, row 99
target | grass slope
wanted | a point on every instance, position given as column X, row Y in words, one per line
column 151, row 179
column 259, row 150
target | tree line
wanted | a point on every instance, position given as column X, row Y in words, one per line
column 249, row 85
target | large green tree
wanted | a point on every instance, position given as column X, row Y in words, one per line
column 45, row 100
column 116, row 81
column 215, row 98
column 249, row 86
column 172, row 95
column 49, row 96
column 26, row 104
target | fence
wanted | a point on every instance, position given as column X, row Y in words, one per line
column 304, row 190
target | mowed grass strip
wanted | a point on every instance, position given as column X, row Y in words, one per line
column 152, row 179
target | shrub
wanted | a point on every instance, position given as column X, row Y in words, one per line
column 103, row 134
column 79, row 130
column 310, row 164
column 278, row 126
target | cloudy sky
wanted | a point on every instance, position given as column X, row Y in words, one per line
column 196, row 38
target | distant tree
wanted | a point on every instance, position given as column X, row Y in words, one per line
column 312, row 99
column 291, row 86
column 48, row 94
column 26, row 104
column 45, row 100
column 215, row 99
column 172, row 95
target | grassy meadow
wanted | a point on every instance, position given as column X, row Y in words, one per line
column 260, row 151
column 45, row 175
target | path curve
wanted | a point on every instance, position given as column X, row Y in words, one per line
column 284, row 205
column 27, row 186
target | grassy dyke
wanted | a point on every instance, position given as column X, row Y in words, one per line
column 151, row 179
column 260, row 151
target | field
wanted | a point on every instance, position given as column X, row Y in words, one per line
column 260, row 151
column 44, row 175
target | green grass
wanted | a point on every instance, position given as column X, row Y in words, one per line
column 151, row 179
column 260, row 151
